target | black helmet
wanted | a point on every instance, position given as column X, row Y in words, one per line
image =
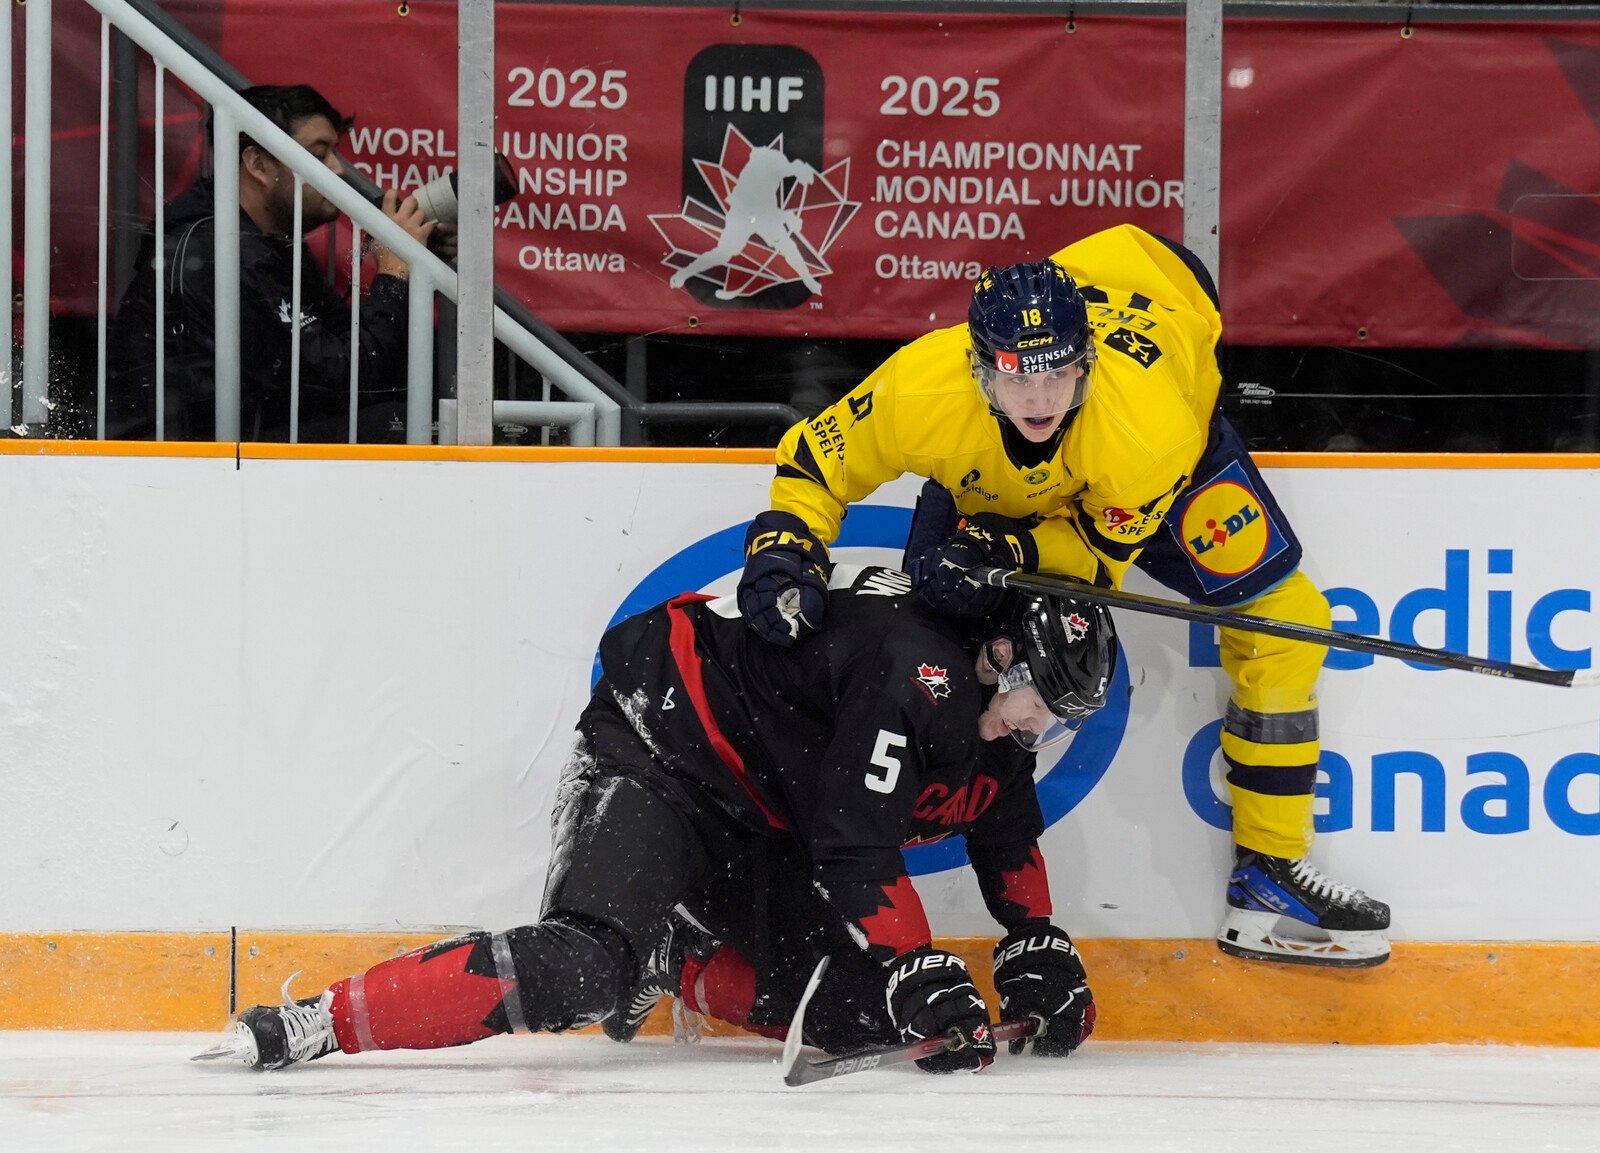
column 1067, row 650
column 1028, row 318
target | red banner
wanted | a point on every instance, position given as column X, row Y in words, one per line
column 834, row 174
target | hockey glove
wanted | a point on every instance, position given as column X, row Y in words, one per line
column 1040, row 976
column 940, row 576
column 783, row 593
column 931, row 995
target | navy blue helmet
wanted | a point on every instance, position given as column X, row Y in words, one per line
column 1026, row 319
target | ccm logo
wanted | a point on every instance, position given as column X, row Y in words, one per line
column 778, row 538
column 925, row 963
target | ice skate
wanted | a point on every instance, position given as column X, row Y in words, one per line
column 273, row 1037
column 660, row 977
column 1286, row 910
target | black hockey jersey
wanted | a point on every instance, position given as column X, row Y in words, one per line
column 861, row 739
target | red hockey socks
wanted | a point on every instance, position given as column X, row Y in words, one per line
column 724, row 987
column 439, row 995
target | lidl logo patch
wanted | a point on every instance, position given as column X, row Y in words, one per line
column 1226, row 531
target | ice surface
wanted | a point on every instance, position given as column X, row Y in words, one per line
column 70, row 1092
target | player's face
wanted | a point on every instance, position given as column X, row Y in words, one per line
column 1018, row 710
column 1035, row 402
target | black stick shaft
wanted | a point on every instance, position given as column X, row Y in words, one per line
column 798, row 1071
column 806, row 1072
column 1227, row 618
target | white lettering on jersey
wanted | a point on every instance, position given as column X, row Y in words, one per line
column 885, row 582
column 885, row 760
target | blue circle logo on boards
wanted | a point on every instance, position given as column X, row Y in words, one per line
column 1077, row 769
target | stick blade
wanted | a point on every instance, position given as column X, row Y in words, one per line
column 793, row 1073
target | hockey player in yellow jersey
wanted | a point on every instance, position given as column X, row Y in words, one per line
column 1072, row 426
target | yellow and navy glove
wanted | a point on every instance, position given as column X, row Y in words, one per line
column 985, row 540
column 783, row 593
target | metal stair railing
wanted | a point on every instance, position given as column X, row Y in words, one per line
column 617, row 415
column 429, row 274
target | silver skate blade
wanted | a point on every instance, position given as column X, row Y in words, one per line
column 1255, row 935
column 797, row 1024
column 237, row 1044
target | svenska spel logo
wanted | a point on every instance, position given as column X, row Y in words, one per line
column 760, row 210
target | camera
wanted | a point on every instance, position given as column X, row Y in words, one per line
column 437, row 198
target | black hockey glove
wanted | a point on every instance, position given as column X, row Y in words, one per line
column 1040, row 976
column 931, row 995
column 940, row 576
column 783, row 593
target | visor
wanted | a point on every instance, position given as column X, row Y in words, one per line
column 1054, row 735
column 1036, row 393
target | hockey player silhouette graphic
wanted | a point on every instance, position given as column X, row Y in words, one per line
column 755, row 209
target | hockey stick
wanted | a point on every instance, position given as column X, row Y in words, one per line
column 798, row 1072
column 1138, row 602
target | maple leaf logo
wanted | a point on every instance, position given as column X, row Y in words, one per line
column 1027, row 886
column 935, row 679
column 1076, row 625
column 900, row 924
column 772, row 221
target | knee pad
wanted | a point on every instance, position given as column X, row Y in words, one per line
column 569, row 971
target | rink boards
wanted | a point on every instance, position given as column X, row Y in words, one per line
column 256, row 701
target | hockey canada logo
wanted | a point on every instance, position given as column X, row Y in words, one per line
column 935, row 680
column 760, row 210
column 1077, row 627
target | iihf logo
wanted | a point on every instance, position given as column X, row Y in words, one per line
column 759, row 211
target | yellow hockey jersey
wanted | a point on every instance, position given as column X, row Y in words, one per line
column 1128, row 451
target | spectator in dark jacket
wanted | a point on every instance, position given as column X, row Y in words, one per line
column 266, row 292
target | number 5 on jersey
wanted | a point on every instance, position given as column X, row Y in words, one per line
column 884, row 758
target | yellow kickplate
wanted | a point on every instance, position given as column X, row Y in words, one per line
column 1458, row 992
column 113, row 980
column 1517, row 993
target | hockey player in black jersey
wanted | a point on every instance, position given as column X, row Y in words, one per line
column 712, row 770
